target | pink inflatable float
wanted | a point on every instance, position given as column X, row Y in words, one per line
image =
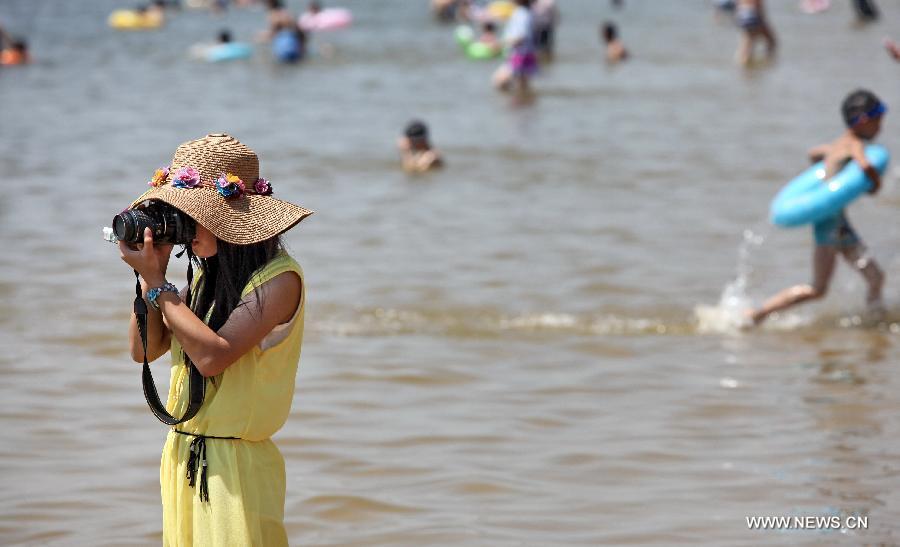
column 812, row 7
column 326, row 19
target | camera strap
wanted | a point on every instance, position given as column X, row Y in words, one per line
column 196, row 382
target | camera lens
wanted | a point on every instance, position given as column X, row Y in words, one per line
column 168, row 224
column 129, row 225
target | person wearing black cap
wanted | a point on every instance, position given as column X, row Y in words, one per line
column 416, row 152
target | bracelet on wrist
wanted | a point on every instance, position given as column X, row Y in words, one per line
column 154, row 293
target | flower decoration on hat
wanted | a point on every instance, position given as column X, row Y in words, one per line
column 186, row 177
column 159, row 177
column 262, row 187
column 230, row 186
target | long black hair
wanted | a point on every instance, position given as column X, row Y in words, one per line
column 225, row 275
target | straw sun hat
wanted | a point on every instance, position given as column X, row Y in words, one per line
column 215, row 180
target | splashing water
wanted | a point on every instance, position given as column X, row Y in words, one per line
column 730, row 314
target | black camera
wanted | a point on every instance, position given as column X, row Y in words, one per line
column 168, row 224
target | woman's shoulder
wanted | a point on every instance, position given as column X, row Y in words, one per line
column 284, row 262
column 281, row 287
column 280, row 263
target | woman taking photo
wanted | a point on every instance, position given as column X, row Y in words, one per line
column 239, row 323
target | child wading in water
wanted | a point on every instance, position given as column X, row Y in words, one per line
column 751, row 17
column 416, row 152
column 522, row 63
column 239, row 322
column 862, row 113
column 489, row 37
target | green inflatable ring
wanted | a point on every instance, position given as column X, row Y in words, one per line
column 465, row 37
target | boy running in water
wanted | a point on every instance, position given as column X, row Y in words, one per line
column 862, row 112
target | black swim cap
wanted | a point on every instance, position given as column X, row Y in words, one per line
column 416, row 130
column 857, row 104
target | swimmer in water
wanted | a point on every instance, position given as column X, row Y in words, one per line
column 862, row 112
column 489, row 37
column 279, row 18
column 866, row 10
column 725, row 5
column 202, row 51
column 751, row 17
column 313, row 8
column 445, row 11
column 615, row 49
column 157, row 11
column 416, row 152
column 15, row 54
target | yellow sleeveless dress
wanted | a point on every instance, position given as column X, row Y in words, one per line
column 251, row 401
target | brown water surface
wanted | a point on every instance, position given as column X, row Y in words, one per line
column 523, row 349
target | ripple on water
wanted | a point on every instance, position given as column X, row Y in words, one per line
column 348, row 508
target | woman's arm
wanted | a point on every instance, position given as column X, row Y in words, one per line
column 212, row 352
column 159, row 338
column 255, row 317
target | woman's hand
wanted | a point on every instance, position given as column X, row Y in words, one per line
column 149, row 260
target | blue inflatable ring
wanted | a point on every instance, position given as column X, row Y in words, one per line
column 808, row 198
column 229, row 52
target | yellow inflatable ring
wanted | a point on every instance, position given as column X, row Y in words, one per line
column 501, row 9
column 132, row 20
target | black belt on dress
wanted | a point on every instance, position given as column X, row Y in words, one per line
column 197, row 461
